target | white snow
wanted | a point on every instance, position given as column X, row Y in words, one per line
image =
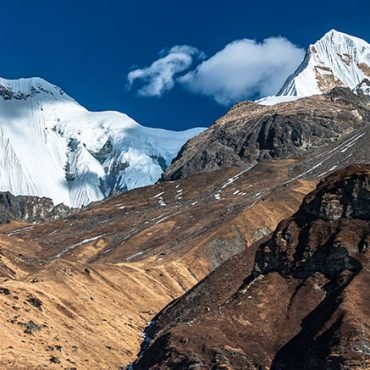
column 163, row 219
column 337, row 58
column 234, row 178
column 159, row 195
column 329, row 170
column 134, row 255
column 51, row 146
column 69, row 248
column 272, row 100
column 179, row 194
column 161, row 202
column 329, row 155
column 17, row 231
column 352, row 142
column 230, row 181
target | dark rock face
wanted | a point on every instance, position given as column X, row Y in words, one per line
column 363, row 88
column 7, row 94
column 29, row 208
column 251, row 132
column 295, row 250
column 302, row 304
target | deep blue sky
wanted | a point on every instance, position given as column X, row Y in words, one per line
column 87, row 47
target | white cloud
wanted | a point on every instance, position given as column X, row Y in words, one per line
column 161, row 75
column 245, row 68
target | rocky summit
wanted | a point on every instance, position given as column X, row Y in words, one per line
column 302, row 303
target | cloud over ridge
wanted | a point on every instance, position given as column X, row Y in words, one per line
column 242, row 69
column 245, row 68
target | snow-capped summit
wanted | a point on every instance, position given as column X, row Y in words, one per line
column 51, row 146
column 337, row 59
column 24, row 88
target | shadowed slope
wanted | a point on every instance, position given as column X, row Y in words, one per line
column 302, row 304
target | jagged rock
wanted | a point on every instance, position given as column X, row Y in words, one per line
column 34, row 301
column 363, row 88
column 29, row 208
column 55, row 360
column 294, row 249
column 4, row 291
column 31, row 327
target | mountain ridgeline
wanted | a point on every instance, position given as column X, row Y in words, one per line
column 251, row 252
column 50, row 146
column 296, row 298
column 53, row 147
column 251, row 132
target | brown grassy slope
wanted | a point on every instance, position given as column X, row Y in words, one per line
column 95, row 306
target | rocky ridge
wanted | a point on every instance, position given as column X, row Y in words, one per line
column 251, row 133
column 303, row 303
column 30, row 209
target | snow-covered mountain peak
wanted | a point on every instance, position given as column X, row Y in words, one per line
column 52, row 146
column 26, row 88
column 337, row 59
column 337, row 38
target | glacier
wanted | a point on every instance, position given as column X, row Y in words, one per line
column 51, row 146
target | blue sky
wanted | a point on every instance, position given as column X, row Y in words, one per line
column 89, row 47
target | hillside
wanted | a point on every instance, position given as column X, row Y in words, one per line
column 302, row 303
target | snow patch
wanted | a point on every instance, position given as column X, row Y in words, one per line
column 71, row 247
column 134, row 255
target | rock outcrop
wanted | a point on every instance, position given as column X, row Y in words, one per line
column 363, row 88
column 302, row 304
column 251, row 133
column 29, row 208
